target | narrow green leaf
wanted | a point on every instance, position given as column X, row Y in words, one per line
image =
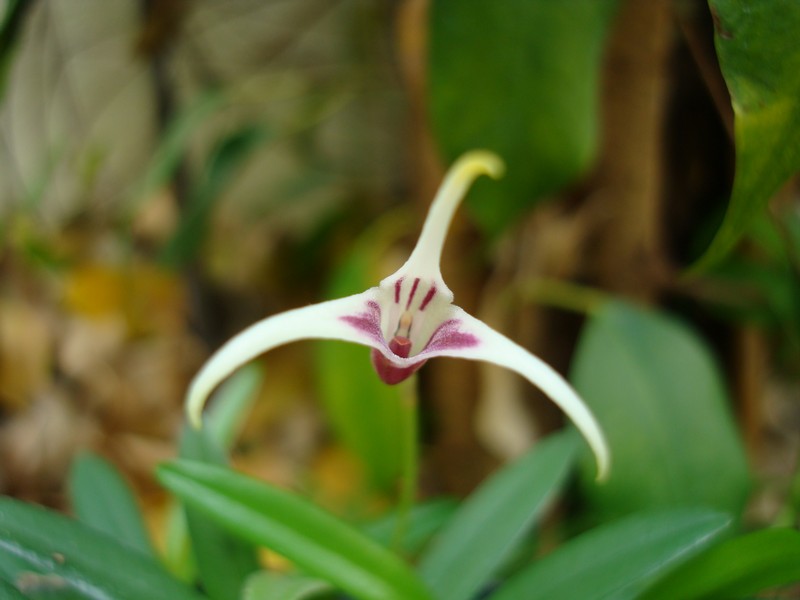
column 200, row 445
column 230, row 404
column 424, row 521
column 736, row 568
column 662, row 404
column 225, row 161
column 278, row 586
column 363, row 410
column 520, row 77
column 178, row 555
column 760, row 286
column 219, row 551
column 89, row 562
column 618, row 560
column 493, row 520
column 172, row 148
column 102, row 499
column 223, row 560
column 760, row 59
column 316, row 541
column 12, row 21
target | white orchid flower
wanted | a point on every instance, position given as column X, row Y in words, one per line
column 406, row 320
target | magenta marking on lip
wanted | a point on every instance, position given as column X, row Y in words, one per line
column 449, row 337
column 368, row 322
column 428, row 297
column 397, row 285
column 413, row 291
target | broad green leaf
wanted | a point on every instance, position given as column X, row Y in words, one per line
column 736, row 568
column 618, row 560
column 519, row 77
column 760, row 59
column 493, row 521
column 314, row 540
column 424, row 520
column 102, row 499
column 662, row 404
column 364, row 411
column 283, row 586
column 223, row 560
column 12, row 566
column 92, row 564
column 10, row 592
column 34, row 586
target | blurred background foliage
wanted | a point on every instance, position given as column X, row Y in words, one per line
column 172, row 171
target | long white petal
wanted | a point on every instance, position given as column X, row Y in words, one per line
column 326, row 320
column 426, row 256
column 473, row 339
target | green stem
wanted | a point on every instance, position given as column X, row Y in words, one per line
column 561, row 294
column 409, row 460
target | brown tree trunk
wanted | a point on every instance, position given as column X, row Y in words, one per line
column 625, row 248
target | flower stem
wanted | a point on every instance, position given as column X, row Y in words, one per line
column 409, row 460
column 561, row 294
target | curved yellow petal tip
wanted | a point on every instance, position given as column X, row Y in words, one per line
column 603, row 470
column 194, row 408
column 479, row 162
column 196, row 421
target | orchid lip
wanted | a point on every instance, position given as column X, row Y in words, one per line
column 387, row 369
column 401, row 346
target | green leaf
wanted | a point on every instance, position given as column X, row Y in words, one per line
column 493, row 521
column 230, row 404
column 316, row 541
column 424, row 520
column 45, row 587
column 200, row 445
column 218, row 550
column 178, row 556
column 760, row 286
column 618, row 560
column 760, row 60
column 12, row 20
column 519, row 77
column 10, row 592
column 173, row 146
column 736, row 568
column 223, row 560
column 661, row 401
column 363, row 410
column 223, row 164
column 102, row 499
column 276, row 586
column 89, row 562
